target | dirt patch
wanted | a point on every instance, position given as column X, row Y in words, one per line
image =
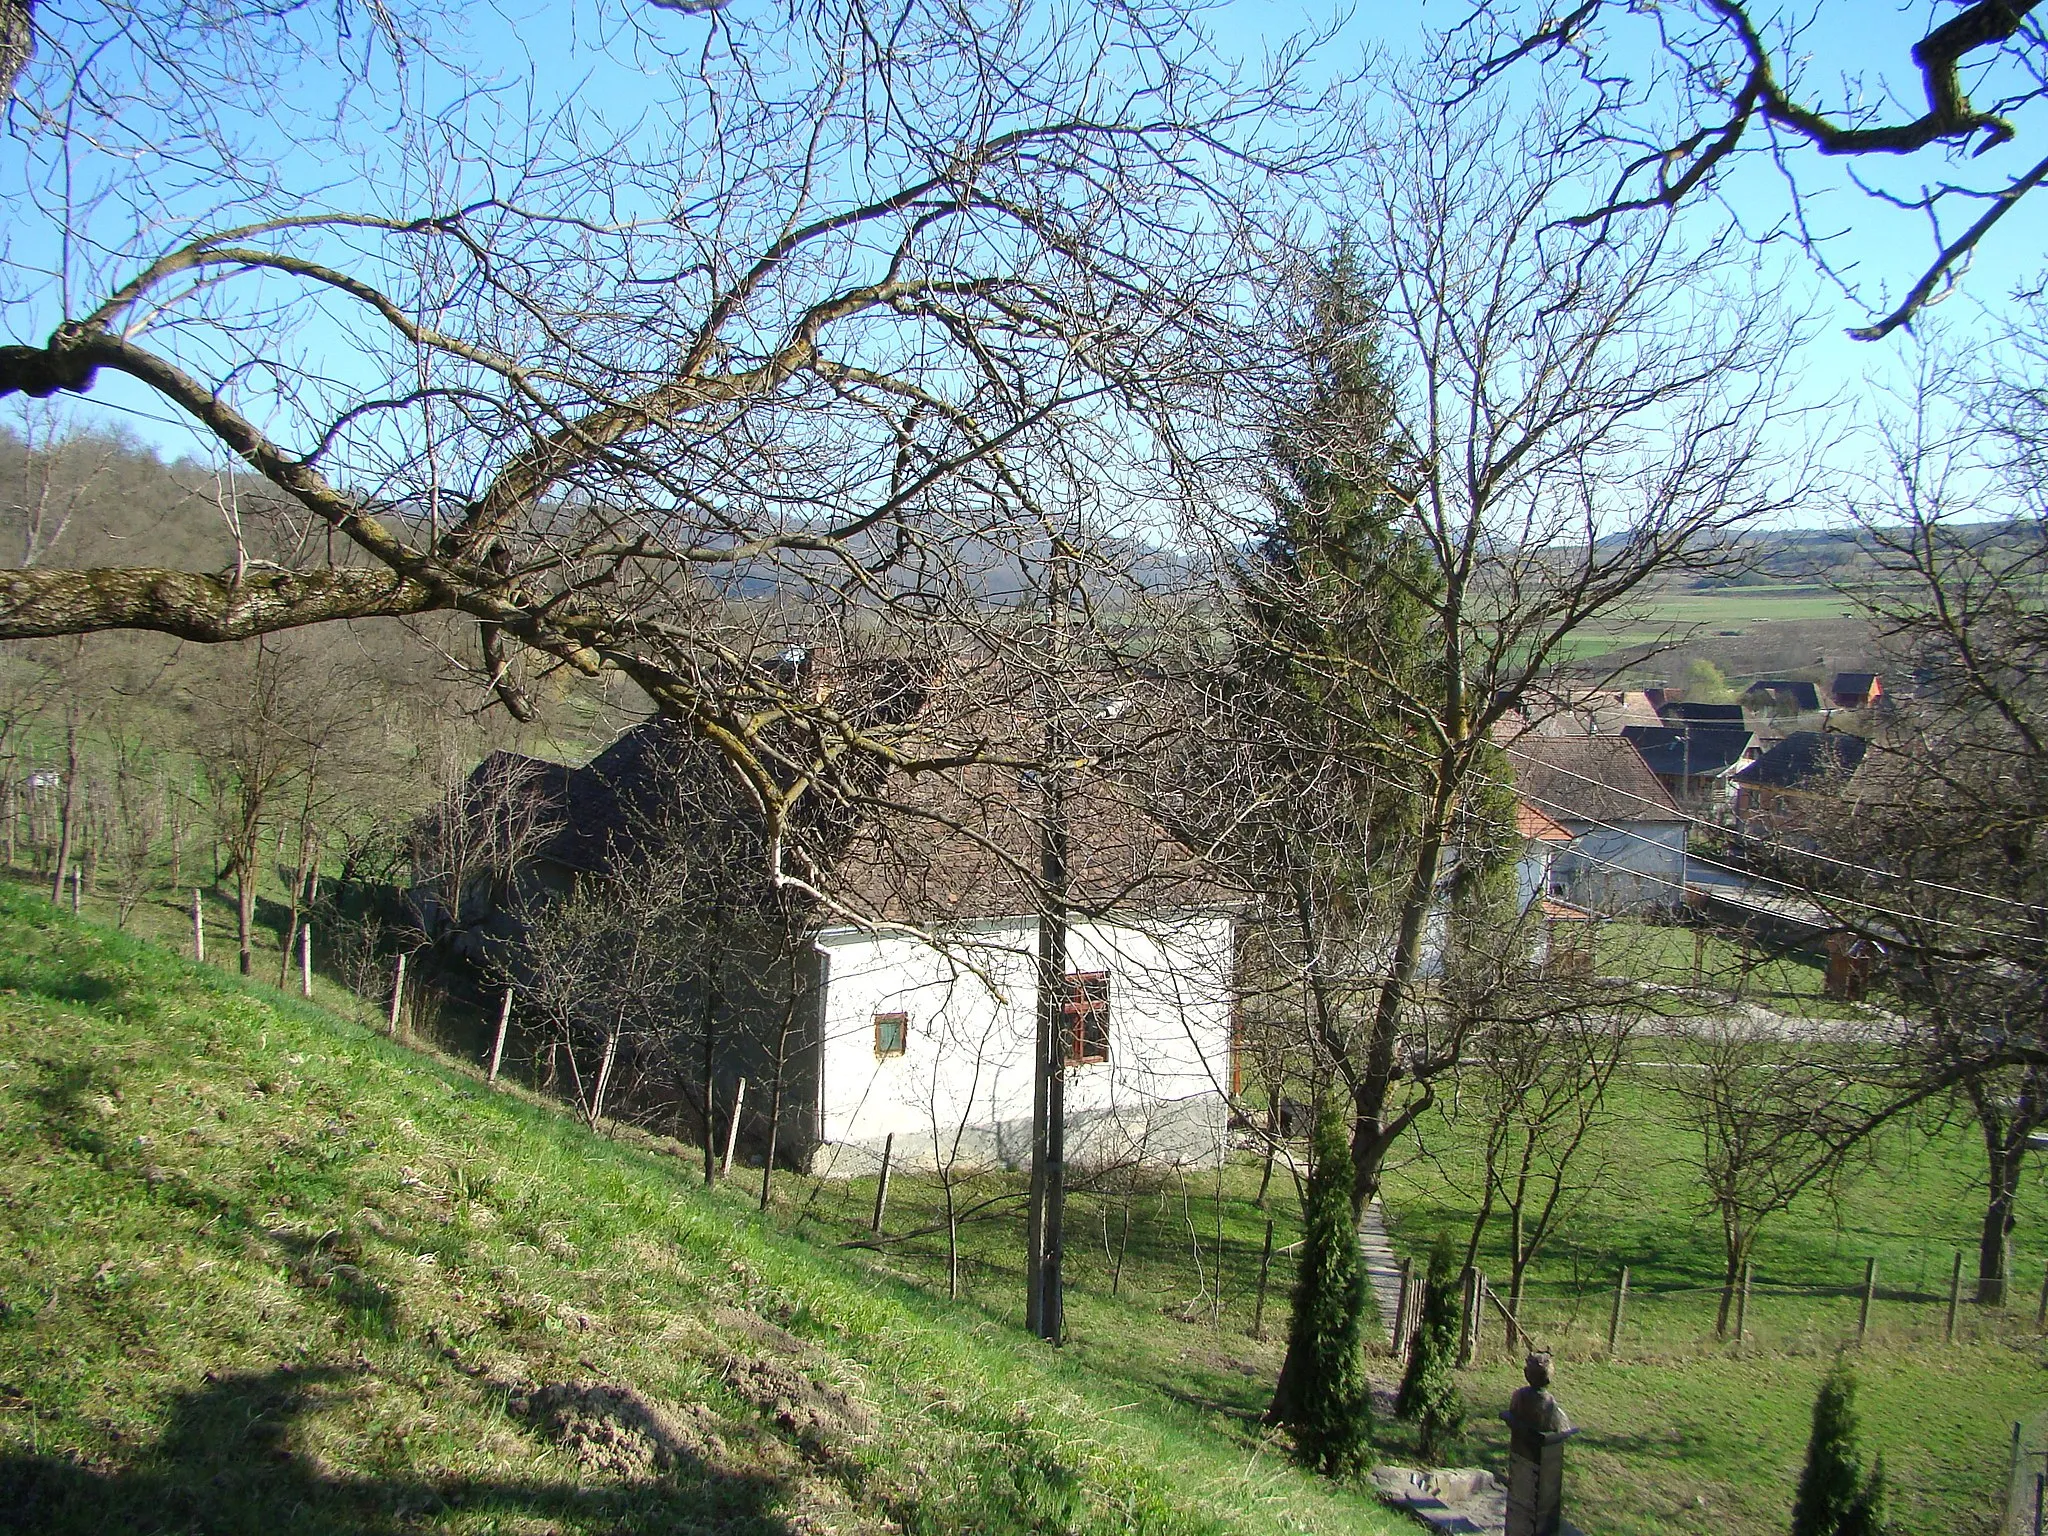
column 817, row 1415
column 613, row 1429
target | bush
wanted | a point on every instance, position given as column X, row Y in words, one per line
column 1429, row 1391
column 1835, row 1498
column 1323, row 1395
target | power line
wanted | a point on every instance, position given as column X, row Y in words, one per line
column 1867, row 906
column 1890, row 876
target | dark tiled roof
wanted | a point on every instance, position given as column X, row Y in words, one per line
column 1853, row 685
column 1590, row 779
column 933, row 847
column 1678, row 752
column 1806, row 759
column 1704, row 714
column 1787, row 690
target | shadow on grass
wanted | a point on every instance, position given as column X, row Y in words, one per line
column 227, row 1463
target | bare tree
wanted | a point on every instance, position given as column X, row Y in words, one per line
column 265, row 724
column 1683, row 95
column 793, row 333
column 1563, row 420
column 139, row 802
column 605, row 962
column 1927, row 857
column 1770, row 1122
column 1537, row 1092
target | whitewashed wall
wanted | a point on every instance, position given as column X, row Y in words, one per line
column 961, row 1091
column 1628, row 865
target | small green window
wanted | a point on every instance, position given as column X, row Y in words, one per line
column 891, row 1031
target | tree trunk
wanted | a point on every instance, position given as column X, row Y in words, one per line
column 245, row 911
column 1371, row 1134
column 604, row 1075
column 1737, row 1251
column 67, row 816
column 710, row 1062
column 2005, row 1133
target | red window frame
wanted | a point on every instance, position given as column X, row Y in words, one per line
column 901, row 1023
column 1084, row 1017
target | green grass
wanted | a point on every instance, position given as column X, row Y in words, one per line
column 1686, row 1432
column 1682, row 1432
column 262, row 1270
column 337, row 1285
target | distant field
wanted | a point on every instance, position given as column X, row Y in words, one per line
column 1736, row 607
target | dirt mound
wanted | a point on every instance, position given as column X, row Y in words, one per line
column 818, row 1415
column 610, row 1428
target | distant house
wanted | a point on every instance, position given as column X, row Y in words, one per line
column 1582, row 711
column 1781, row 696
column 1628, row 844
column 1778, row 787
column 1680, row 712
column 1695, row 762
column 1856, row 690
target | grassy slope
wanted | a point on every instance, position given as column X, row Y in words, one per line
column 262, row 1270
column 1682, row 1433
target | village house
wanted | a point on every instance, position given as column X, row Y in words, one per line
column 1782, row 696
column 897, row 997
column 1628, row 836
column 1695, row 763
column 1773, row 793
column 1856, row 690
column 1685, row 712
column 1582, row 711
column 894, row 1000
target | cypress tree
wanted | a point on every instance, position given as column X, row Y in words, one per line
column 1323, row 1395
column 1430, row 1398
column 1834, row 1498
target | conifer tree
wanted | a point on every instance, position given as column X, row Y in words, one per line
column 1834, row 1498
column 1430, row 1398
column 1323, row 1395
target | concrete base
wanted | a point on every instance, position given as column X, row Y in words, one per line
column 1183, row 1133
column 1459, row 1501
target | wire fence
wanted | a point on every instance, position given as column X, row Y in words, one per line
column 2026, row 1493
column 1926, row 1301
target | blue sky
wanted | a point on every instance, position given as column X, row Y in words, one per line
column 1882, row 250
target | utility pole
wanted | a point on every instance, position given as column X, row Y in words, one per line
column 1044, row 1236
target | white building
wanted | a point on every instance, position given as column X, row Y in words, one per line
column 1628, row 847
column 932, row 1043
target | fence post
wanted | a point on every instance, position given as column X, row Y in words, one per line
column 1265, row 1267
column 1742, row 1307
column 732, row 1131
column 882, row 1188
column 397, row 996
column 198, row 928
column 306, row 959
column 77, row 889
column 1869, row 1295
column 2041, row 1311
column 498, row 1045
column 1620, row 1302
column 1480, row 1291
column 1400, row 1339
column 1955, row 1297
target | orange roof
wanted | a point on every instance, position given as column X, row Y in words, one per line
column 1564, row 912
column 1537, row 827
